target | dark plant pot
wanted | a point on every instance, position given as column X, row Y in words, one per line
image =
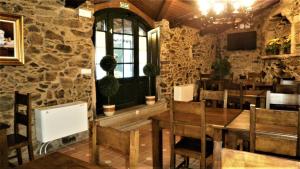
column 287, row 50
column 276, row 51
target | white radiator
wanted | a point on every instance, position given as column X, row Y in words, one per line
column 59, row 121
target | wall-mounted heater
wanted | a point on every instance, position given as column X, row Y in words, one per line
column 59, row 121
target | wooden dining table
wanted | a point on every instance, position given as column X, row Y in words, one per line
column 3, row 146
column 216, row 119
column 246, row 160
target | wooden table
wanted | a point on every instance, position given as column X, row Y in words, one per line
column 240, row 159
column 216, row 118
column 240, row 128
column 3, row 146
column 60, row 161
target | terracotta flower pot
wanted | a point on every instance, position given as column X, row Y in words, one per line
column 150, row 100
column 109, row 110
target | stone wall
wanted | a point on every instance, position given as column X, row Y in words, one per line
column 244, row 62
column 58, row 45
column 184, row 54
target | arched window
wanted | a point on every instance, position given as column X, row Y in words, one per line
column 122, row 34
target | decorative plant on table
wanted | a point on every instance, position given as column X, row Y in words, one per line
column 108, row 85
column 150, row 70
column 221, row 68
column 273, row 47
column 286, row 44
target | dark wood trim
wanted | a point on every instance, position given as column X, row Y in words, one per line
column 132, row 8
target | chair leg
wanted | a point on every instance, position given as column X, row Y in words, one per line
column 187, row 162
column 19, row 155
column 30, row 152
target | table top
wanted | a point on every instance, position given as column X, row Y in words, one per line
column 215, row 117
column 242, row 123
column 3, row 126
column 240, row 159
column 59, row 161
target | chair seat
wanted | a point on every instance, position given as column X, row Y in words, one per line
column 192, row 147
column 15, row 140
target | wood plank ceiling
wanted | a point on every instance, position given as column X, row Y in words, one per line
column 186, row 12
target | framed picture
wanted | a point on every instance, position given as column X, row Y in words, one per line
column 11, row 40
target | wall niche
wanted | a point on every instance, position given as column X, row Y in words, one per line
column 278, row 26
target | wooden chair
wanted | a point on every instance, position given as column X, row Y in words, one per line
column 17, row 140
column 235, row 94
column 282, row 100
column 275, row 131
column 214, row 96
column 193, row 133
column 204, row 78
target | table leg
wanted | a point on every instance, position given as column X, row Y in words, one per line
column 217, row 149
column 157, row 145
column 3, row 149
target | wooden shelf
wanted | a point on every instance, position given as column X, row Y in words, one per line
column 281, row 56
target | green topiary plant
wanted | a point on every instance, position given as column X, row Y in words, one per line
column 108, row 63
column 108, row 86
column 150, row 70
column 221, row 68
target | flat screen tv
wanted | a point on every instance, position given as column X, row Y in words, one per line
column 241, row 41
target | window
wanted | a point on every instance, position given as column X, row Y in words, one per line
column 122, row 34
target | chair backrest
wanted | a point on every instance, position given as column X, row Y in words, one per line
column 271, row 130
column 188, row 120
column 23, row 113
column 282, row 99
column 190, row 114
column 214, row 96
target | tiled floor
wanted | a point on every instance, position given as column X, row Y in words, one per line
column 82, row 151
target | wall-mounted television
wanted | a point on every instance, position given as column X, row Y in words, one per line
column 241, row 41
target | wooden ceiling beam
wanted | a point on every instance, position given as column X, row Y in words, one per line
column 164, row 9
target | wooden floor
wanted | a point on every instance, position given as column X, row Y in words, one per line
column 81, row 151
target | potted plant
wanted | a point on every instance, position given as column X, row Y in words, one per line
column 286, row 45
column 150, row 70
column 108, row 85
column 221, row 68
column 273, row 47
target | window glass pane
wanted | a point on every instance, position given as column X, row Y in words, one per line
column 128, row 70
column 100, row 52
column 101, row 25
column 128, row 41
column 118, row 53
column 118, row 28
column 118, row 41
column 127, row 26
column 100, row 73
column 100, row 39
column 119, row 71
column 128, row 56
column 142, row 32
column 142, row 54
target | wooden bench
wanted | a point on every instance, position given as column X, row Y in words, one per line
column 121, row 132
column 60, row 161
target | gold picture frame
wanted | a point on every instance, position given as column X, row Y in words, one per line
column 11, row 40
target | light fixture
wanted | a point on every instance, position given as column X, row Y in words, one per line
column 225, row 11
